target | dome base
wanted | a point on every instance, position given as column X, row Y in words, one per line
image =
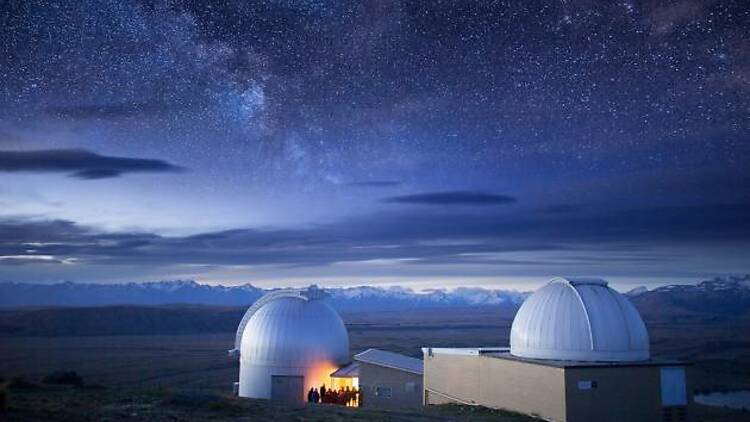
column 582, row 356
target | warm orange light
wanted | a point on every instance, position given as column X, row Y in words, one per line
column 318, row 375
column 342, row 383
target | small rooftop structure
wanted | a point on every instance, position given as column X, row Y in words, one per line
column 579, row 319
column 391, row 360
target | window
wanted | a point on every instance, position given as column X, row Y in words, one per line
column 384, row 392
column 587, row 385
column 410, row 387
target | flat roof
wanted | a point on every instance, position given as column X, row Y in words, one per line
column 504, row 353
column 391, row 360
column 349, row 371
column 470, row 351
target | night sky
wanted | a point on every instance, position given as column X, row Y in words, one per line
column 426, row 144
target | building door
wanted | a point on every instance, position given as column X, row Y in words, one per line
column 289, row 389
column 673, row 388
column 674, row 397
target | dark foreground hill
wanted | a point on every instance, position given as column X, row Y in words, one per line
column 119, row 320
column 32, row 403
column 71, row 404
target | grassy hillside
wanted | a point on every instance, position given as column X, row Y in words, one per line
column 66, row 404
column 142, row 371
column 119, row 320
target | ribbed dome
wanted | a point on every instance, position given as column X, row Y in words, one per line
column 290, row 333
column 294, row 331
column 579, row 320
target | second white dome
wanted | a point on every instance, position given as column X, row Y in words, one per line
column 579, row 320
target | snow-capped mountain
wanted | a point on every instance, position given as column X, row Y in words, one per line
column 367, row 297
column 718, row 296
column 150, row 293
column 636, row 291
column 717, row 284
column 190, row 292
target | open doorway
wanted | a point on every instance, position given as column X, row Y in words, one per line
column 344, row 387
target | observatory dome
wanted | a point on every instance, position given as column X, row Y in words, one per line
column 292, row 335
column 579, row 320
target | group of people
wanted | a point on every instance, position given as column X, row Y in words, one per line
column 343, row 396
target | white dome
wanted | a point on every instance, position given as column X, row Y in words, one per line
column 579, row 320
column 290, row 333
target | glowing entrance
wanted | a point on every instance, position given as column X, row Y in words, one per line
column 345, row 386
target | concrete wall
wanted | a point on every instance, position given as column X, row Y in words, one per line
column 606, row 394
column 373, row 376
column 621, row 394
column 498, row 383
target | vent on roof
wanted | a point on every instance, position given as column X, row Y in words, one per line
column 585, row 281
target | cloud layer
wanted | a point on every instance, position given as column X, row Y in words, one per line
column 452, row 198
column 599, row 238
column 79, row 163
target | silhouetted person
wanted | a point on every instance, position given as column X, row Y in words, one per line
column 334, row 396
column 323, row 397
column 347, row 396
column 315, row 395
column 310, row 396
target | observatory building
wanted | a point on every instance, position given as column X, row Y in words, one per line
column 579, row 351
column 288, row 342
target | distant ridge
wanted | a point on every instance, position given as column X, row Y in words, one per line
column 187, row 307
column 189, row 292
column 150, row 293
column 718, row 296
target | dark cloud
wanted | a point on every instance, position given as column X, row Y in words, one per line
column 80, row 164
column 95, row 174
column 452, row 198
column 594, row 238
column 376, row 183
column 29, row 260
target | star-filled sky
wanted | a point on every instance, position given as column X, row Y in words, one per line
column 426, row 144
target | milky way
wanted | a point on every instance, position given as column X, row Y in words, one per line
column 364, row 141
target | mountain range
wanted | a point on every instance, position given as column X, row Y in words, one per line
column 71, row 294
column 718, row 297
column 724, row 296
column 187, row 307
